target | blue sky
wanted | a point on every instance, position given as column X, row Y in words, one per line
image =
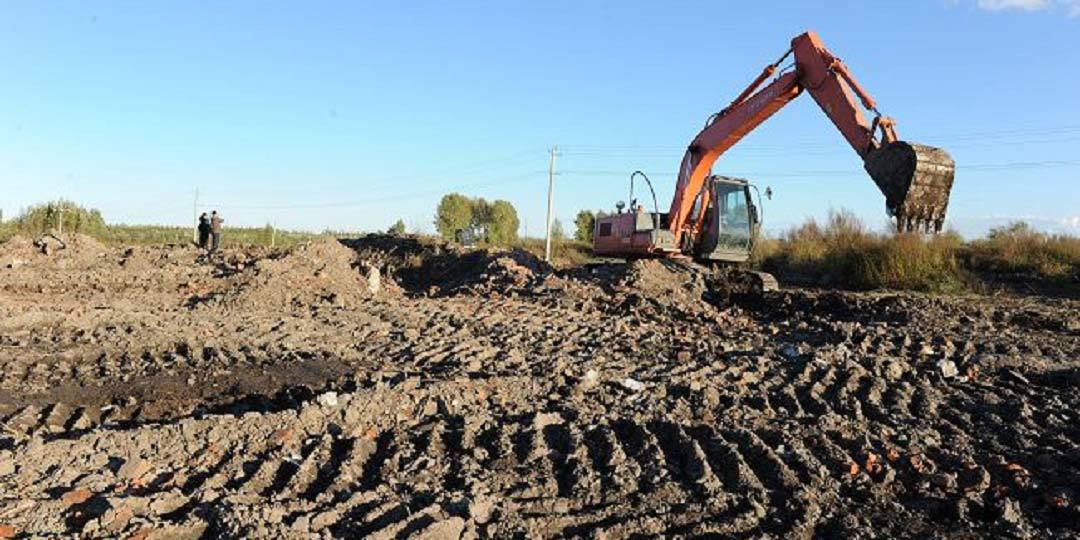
column 349, row 115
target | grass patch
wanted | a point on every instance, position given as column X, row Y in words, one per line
column 844, row 253
column 42, row 218
column 563, row 252
column 1022, row 252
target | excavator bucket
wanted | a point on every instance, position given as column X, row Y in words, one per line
column 916, row 181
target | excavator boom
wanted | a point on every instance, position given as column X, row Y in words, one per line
column 714, row 218
column 915, row 179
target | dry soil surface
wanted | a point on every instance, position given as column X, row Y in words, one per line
column 392, row 388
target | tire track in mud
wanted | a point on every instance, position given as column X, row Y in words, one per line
column 691, row 475
column 564, row 474
column 806, row 415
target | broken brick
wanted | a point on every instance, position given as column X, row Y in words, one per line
column 76, row 496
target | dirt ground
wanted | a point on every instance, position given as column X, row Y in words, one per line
column 392, row 388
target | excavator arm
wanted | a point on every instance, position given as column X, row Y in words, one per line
column 915, row 179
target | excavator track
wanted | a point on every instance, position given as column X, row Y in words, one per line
column 916, row 181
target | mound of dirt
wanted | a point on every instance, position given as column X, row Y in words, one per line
column 661, row 283
column 322, row 270
column 435, row 268
column 485, row 271
column 663, row 279
column 19, row 250
column 583, row 403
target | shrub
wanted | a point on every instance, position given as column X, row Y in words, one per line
column 397, row 229
column 1019, row 249
column 45, row 217
column 845, row 253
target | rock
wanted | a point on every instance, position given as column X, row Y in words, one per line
column 974, row 478
column 591, row 378
column 168, row 502
column 633, row 385
column 947, row 368
column 789, row 351
column 894, row 370
column 431, row 407
column 7, row 464
column 374, row 280
column 116, row 519
column 1010, row 511
column 76, row 496
column 192, row 529
column 133, row 469
column 481, row 510
column 328, row 400
column 944, row 480
column 7, row 531
column 448, row 529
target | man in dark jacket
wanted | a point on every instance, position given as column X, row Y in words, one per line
column 204, row 230
column 215, row 230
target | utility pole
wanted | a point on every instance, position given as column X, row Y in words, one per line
column 60, row 213
column 195, row 218
column 551, row 190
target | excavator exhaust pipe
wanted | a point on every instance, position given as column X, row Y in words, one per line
column 916, row 181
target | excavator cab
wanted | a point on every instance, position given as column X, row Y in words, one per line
column 731, row 221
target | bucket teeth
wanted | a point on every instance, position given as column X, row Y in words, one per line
column 916, row 181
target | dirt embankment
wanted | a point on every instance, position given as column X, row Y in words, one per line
column 157, row 393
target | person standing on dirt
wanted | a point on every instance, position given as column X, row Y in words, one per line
column 204, row 230
column 215, row 231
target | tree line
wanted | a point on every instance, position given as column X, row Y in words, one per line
column 496, row 222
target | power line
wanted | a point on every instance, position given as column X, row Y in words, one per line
column 364, row 202
column 1017, row 165
column 963, row 137
column 752, row 150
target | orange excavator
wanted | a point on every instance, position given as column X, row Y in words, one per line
column 714, row 218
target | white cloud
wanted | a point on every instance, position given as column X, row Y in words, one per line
column 1072, row 223
column 1023, row 5
column 1071, row 7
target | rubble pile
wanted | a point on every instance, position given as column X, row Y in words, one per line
column 154, row 393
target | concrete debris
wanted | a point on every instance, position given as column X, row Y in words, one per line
column 947, row 368
column 328, row 399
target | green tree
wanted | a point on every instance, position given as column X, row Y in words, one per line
column 481, row 212
column 503, row 225
column 397, row 229
column 455, row 212
column 585, row 223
